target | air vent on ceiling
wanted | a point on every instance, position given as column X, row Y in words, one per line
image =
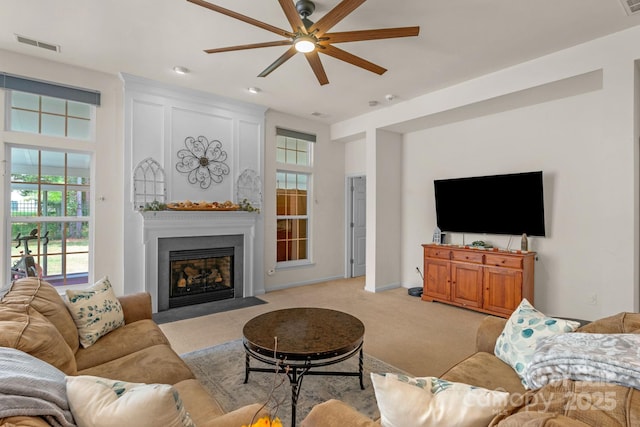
column 631, row 6
column 36, row 43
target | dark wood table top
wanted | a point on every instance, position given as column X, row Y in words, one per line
column 305, row 333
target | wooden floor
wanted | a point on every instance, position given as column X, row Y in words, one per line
column 419, row 337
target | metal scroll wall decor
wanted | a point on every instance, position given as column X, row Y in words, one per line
column 203, row 161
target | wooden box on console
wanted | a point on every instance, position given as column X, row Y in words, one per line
column 486, row 280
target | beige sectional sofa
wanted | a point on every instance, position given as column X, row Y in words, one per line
column 34, row 319
column 562, row 404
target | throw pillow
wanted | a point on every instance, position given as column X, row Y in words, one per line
column 428, row 401
column 517, row 342
column 96, row 311
column 101, row 402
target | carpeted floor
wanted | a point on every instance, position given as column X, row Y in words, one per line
column 196, row 310
column 221, row 370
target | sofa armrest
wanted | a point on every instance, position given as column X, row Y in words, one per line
column 239, row 417
column 334, row 413
column 136, row 306
column 488, row 332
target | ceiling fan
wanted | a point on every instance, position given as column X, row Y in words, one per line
column 312, row 38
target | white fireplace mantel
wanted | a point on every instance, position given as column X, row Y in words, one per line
column 167, row 224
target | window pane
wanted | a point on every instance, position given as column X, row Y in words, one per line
column 77, row 263
column 51, row 203
column 79, row 168
column 38, row 188
column 77, row 203
column 303, row 159
column 25, row 100
column 281, row 156
column 78, row 109
column 78, row 128
column 291, row 143
column 53, row 166
column 53, row 105
column 302, row 181
column 53, row 125
column 24, row 121
column 51, row 116
column 292, row 181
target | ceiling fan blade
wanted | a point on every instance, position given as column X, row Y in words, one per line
column 249, row 46
column 334, row 16
column 385, row 33
column 352, row 59
column 278, row 62
column 242, row 18
column 316, row 66
column 292, row 15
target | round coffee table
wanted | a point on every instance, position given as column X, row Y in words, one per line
column 296, row 340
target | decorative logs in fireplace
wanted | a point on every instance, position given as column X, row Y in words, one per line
column 200, row 275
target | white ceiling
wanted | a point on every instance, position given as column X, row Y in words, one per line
column 459, row 40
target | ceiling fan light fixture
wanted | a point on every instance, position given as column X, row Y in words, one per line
column 305, row 44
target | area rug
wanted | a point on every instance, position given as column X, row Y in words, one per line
column 221, row 370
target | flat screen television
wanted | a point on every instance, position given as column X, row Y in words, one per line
column 497, row 204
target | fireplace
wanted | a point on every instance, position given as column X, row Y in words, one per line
column 199, row 269
column 198, row 276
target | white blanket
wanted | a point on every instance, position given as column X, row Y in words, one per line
column 605, row 358
column 31, row 387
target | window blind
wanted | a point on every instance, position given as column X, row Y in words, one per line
column 55, row 90
column 295, row 134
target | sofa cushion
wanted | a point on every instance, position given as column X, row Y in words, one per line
column 45, row 299
column 485, row 370
column 573, row 403
column 30, row 386
column 102, row 402
column 120, row 342
column 429, row 401
column 25, row 329
column 96, row 311
column 621, row 323
column 198, row 402
column 517, row 342
column 156, row 364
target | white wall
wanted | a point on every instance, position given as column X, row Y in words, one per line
column 327, row 206
column 567, row 149
column 574, row 115
column 355, row 157
column 158, row 119
column 106, row 201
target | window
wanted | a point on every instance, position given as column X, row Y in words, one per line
column 49, row 184
column 50, row 213
column 50, row 116
column 293, row 219
column 293, row 152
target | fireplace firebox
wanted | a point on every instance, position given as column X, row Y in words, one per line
column 199, row 269
column 201, row 275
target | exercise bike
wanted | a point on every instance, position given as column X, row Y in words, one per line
column 26, row 265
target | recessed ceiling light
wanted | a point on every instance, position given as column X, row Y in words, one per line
column 181, row 70
column 254, row 90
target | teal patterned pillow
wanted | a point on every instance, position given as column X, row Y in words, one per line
column 96, row 311
column 101, row 402
column 517, row 342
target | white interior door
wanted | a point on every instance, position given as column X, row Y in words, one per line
column 358, row 226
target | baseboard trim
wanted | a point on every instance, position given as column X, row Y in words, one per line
column 304, row 283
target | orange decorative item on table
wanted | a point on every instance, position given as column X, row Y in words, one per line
column 266, row 422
